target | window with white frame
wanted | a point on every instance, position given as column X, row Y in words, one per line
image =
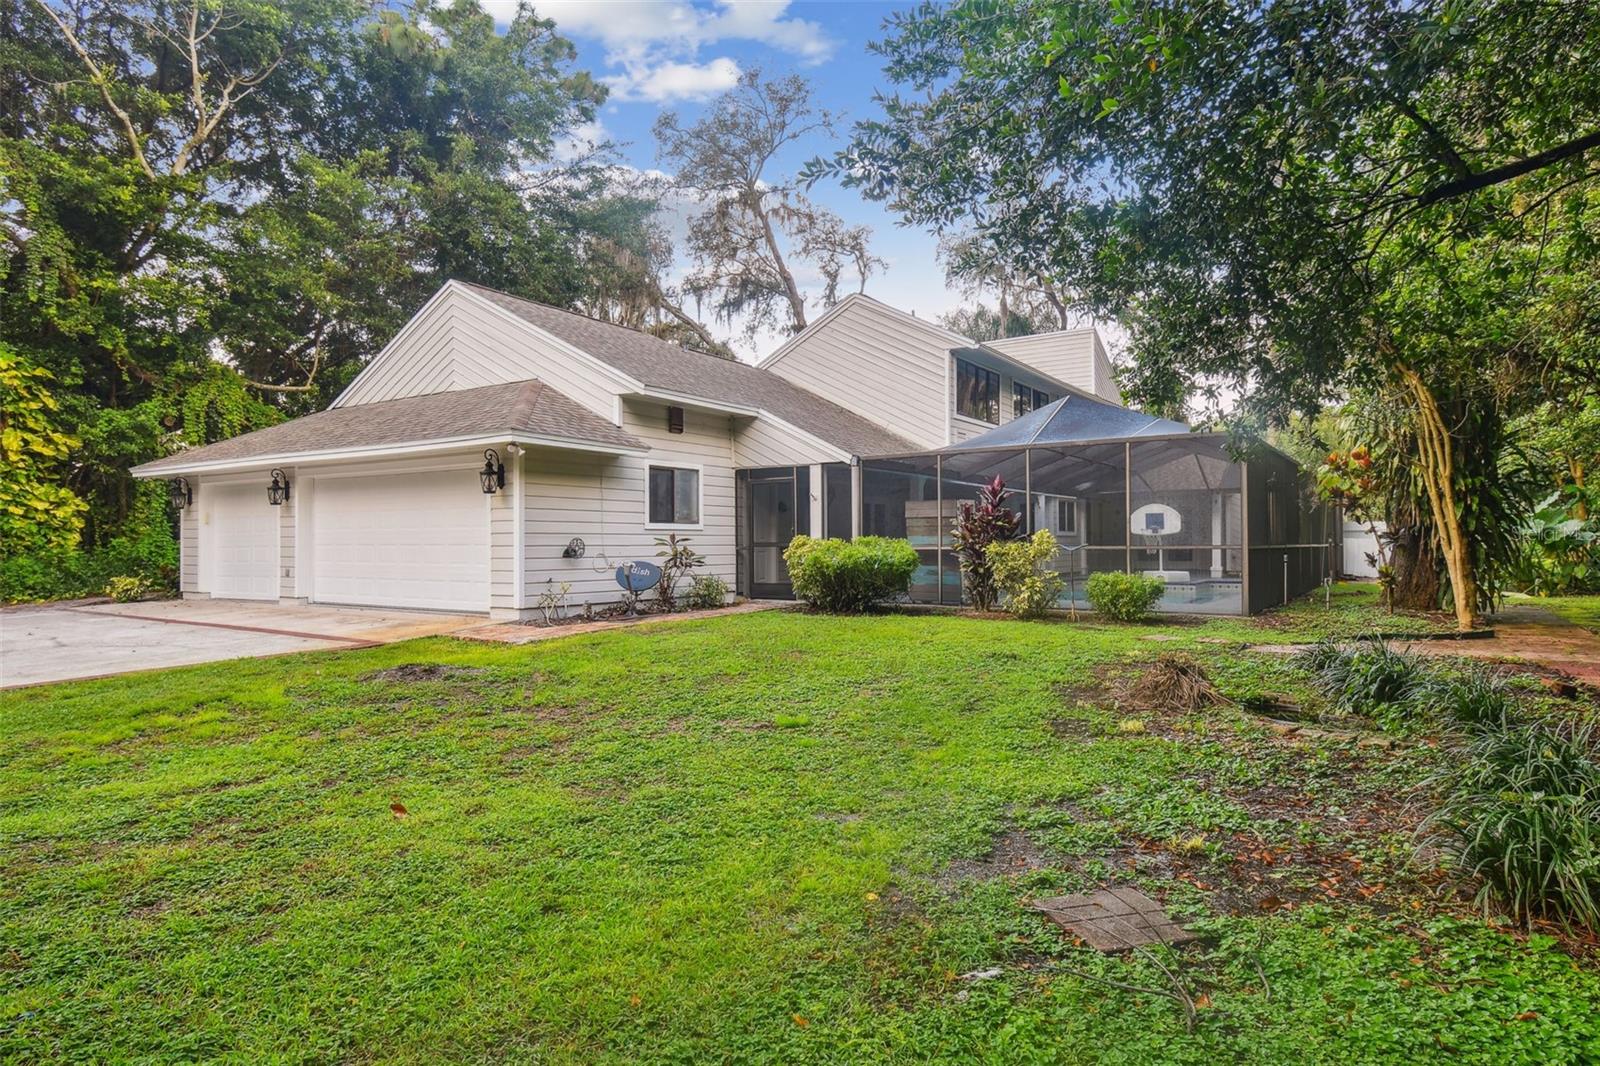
column 673, row 496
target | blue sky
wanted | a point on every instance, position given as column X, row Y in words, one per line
column 676, row 54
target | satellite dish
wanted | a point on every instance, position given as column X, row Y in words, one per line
column 638, row 575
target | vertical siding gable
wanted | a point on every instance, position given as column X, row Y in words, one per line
column 875, row 362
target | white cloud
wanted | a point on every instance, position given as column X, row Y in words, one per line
column 680, row 27
column 581, row 141
column 661, row 82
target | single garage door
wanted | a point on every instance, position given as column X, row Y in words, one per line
column 402, row 540
column 240, row 544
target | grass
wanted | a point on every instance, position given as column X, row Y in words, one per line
column 1579, row 610
column 768, row 837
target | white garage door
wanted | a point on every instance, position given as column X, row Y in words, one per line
column 240, row 548
column 403, row 540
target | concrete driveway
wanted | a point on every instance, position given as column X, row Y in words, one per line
column 57, row 643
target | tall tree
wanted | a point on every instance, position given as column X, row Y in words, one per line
column 213, row 211
column 1274, row 194
column 1023, row 292
column 752, row 225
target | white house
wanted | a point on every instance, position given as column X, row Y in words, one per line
column 497, row 444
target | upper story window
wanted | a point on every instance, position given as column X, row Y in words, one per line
column 673, row 496
column 977, row 392
column 1025, row 398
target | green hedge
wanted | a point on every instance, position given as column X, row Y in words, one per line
column 850, row 576
column 1124, row 597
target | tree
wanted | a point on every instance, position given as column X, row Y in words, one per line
column 984, row 323
column 1025, row 294
column 214, row 211
column 752, row 226
column 1275, row 196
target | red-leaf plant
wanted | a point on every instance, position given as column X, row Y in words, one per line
column 975, row 527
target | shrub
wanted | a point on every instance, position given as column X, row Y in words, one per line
column 1521, row 812
column 850, row 576
column 1022, row 571
column 73, row 573
column 678, row 560
column 1124, row 597
column 975, row 528
column 705, row 592
column 127, row 588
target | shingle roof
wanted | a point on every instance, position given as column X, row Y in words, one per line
column 529, row 407
column 658, row 364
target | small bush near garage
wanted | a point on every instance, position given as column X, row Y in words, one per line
column 850, row 576
column 1124, row 597
column 706, row 592
column 1022, row 573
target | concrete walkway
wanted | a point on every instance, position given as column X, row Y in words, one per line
column 1529, row 633
column 1523, row 632
column 512, row 633
column 76, row 641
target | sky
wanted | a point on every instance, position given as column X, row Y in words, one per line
column 658, row 55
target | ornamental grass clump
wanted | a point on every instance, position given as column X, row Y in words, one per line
column 1520, row 812
column 1472, row 700
column 1022, row 573
column 850, row 576
column 1370, row 679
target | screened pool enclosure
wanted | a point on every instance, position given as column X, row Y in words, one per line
column 1121, row 491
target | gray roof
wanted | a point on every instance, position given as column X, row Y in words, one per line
column 658, row 364
column 1072, row 418
column 527, row 407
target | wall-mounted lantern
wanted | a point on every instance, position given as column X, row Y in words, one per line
column 179, row 493
column 278, row 491
column 493, row 475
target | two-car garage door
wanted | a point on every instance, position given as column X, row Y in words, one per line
column 401, row 540
column 416, row 540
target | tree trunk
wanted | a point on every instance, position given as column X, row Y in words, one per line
column 797, row 303
column 1436, row 464
column 1416, row 571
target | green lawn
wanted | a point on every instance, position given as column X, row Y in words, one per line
column 1579, row 610
column 768, row 837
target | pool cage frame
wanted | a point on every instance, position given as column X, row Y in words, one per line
column 1284, row 542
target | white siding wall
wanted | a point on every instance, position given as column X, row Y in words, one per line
column 878, row 363
column 461, row 341
column 189, row 542
column 287, row 528
column 602, row 500
column 503, row 544
column 1066, row 356
column 761, row 442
